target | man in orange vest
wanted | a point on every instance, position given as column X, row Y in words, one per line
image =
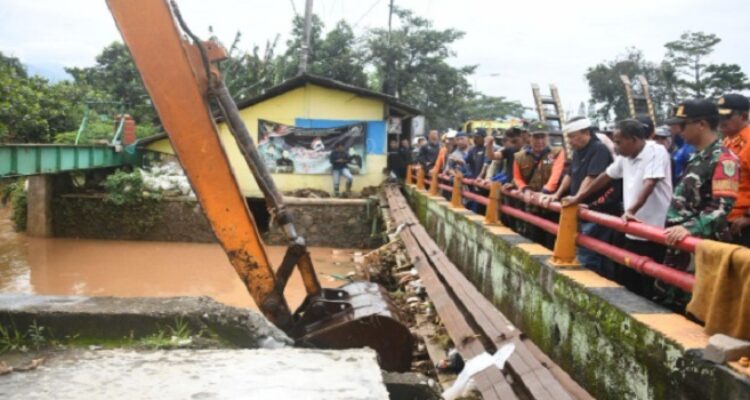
column 733, row 124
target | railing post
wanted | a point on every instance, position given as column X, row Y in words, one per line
column 492, row 216
column 409, row 176
column 456, row 196
column 434, row 184
column 564, row 254
column 420, row 178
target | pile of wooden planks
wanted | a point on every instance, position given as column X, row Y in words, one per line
column 473, row 322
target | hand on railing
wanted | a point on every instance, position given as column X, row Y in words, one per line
column 566, row 231
column 675, row 234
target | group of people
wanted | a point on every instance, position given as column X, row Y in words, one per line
column 690, row 176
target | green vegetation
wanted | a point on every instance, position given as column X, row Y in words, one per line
column 19, row 204
column 684, row 73
column 128, row 188
column 99, row 129
column 11, row 339
column 170, row 337
column 38, row 337
column 34, row 110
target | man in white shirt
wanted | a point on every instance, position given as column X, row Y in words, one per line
column 644, row 166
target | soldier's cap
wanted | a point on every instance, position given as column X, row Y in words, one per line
column 672, row 120
column 647, row 122
column 481, row 132
column 696, row 109
column 538, row 128
column 729, row 103
column 663, row 131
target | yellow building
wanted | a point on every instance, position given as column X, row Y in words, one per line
column 310, row 101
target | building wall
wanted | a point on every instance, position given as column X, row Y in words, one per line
column 308, row 106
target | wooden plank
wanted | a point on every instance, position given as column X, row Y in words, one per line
column 455, row 323
column 570, row 385
column 535, row 376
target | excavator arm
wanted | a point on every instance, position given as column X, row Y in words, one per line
column 181, row 76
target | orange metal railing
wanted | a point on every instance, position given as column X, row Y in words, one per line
column 566, row 230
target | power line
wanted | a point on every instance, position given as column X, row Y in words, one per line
column 366, row 13
column 296, row 14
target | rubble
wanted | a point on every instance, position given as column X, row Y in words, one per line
column 308, row 193
column 168, row 178
column 390, row 266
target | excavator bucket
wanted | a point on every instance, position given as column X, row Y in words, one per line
column 359, row 314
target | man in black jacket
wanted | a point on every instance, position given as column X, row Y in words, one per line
column 428, row 154
column 339, row 166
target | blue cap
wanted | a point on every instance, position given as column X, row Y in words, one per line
column 461, row 134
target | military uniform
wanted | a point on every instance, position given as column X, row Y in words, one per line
column 704, row 197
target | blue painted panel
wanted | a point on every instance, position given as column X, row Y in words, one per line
column 376, row 137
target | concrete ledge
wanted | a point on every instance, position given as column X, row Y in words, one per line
column 614, row 343
column 115, row 318
column 324, row 201
column 203, row 374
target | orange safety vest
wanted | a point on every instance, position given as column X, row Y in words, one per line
column 536, row 174
column 742, row 205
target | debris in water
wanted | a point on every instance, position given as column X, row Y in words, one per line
column 34, row 364
column 4, row 368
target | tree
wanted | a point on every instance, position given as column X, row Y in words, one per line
column 725, row 78
column 339, row 57
column 115, row 75
column 336, row 56
column 31, row 109
column 289, row 63
column 607, row 92
column 482, row 107
column 688, row 55
column 412, row 64
column 248, row 74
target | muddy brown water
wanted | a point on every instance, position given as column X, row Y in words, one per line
column 141, row 269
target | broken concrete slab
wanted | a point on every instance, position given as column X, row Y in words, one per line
column 118, row 318
column 287, row 373
column 722, row 348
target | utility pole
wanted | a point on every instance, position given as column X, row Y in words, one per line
column 305, row 49
column 388, row 86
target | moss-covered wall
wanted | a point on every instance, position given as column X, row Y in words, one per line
column 615, row 344
column 93, row 217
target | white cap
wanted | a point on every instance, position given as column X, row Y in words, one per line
column 451, row 134
column 577, row 125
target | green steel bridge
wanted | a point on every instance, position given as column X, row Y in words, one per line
column 40, row 159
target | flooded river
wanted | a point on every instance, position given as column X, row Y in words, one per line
column 140, row 269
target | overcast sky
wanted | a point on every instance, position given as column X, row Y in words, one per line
column 514, row 43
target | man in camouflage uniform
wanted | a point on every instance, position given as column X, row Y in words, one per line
column 708, row 188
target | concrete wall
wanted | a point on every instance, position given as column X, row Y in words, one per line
column 615, row 344
column 308, row 106
column 91, row 217
column 342, row 223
